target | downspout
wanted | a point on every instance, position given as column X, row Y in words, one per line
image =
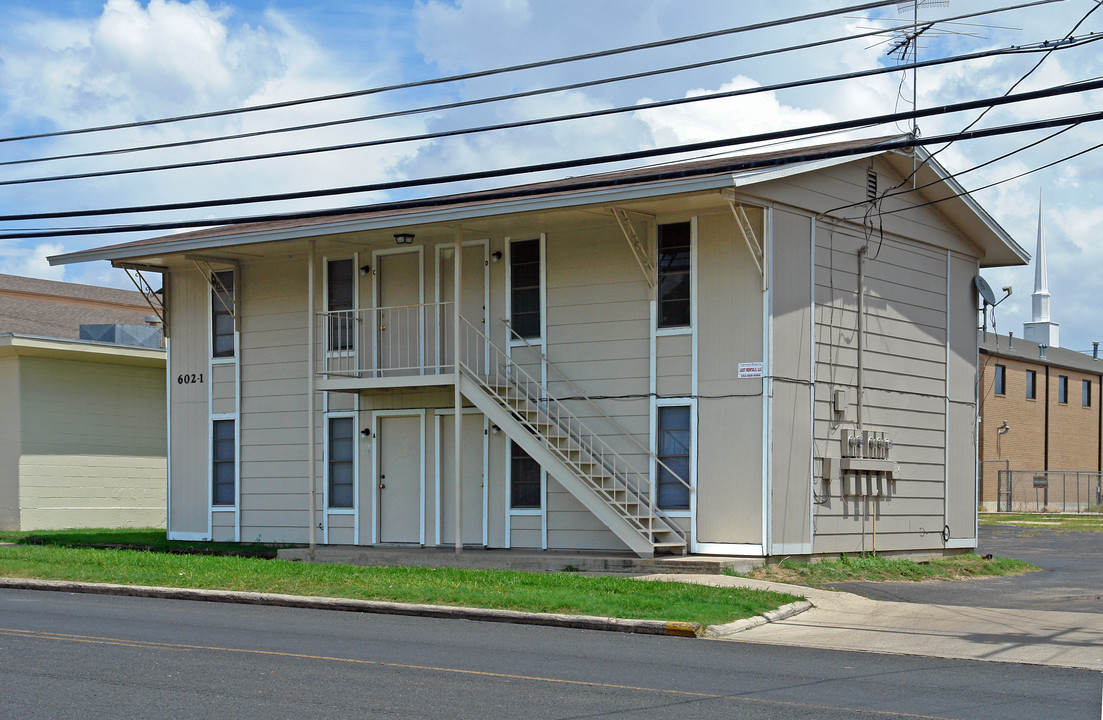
column 310, row 420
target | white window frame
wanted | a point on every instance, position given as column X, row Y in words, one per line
column 690, row 329
column 691, row 403
column 210, row 318
column 355, row 258
column 542, row 237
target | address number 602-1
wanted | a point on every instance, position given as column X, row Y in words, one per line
column 189, row 379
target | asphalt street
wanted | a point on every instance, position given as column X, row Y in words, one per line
column 89, row 656
column 1071, row 579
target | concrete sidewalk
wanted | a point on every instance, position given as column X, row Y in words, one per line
column 843, row 621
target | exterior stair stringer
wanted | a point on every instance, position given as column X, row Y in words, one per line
column 498, row 414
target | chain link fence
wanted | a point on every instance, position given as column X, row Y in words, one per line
column 1048, row 491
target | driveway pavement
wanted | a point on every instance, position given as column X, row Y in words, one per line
column 1071, row 579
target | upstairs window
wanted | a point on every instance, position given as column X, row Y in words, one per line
column 674, row 275
column 999, row 381
column 222, row 315
column 524, row 288
column 1031, row 384
column 339, row 298
column 1086, row 393
column 1062, row 389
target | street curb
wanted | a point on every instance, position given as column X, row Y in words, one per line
column 719, row 632
column 584, row 622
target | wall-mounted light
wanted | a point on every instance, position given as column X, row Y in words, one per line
column 496, row 255
column 403, row 238
column 494, row 429
column 365, row 269
column 366, row 432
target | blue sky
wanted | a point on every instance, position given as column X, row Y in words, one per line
column 77, row 63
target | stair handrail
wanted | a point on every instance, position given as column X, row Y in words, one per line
column 582, row 396
column 642, row 498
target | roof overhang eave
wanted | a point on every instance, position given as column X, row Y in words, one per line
column 598, row 196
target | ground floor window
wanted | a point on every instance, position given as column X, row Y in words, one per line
column 223, row 475
column 524, row 479
column 340, row 470
column 674, row 445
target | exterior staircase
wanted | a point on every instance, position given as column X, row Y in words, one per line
column 598, row 476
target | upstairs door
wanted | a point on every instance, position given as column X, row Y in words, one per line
column 399, row 318
column 473, row 299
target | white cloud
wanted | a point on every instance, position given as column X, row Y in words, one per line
column 31, row 262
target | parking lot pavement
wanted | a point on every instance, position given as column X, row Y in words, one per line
column 1071, row 579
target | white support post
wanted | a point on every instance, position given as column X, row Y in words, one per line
column 457, row 459
column 310, row 400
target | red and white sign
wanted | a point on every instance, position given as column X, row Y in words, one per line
column 750, row 370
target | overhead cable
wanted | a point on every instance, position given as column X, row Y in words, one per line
column 493, row 99
column 1045, row 46
column 471, row 75
column 1081, row 86
column 581, row 183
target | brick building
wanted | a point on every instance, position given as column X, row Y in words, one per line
column 1040, row 413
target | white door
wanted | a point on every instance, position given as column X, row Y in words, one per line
column 474, row 466
column 398, row 477
column 399, row 319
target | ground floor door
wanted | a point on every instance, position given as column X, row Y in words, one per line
column 474, row 479
column 399, row 463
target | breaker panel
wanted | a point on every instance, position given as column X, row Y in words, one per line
column 864, row 467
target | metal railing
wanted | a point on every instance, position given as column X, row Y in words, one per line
column 561, row 432
column 582, row 397
column 386, row 341
column 1049, row 491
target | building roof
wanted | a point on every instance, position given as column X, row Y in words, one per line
column 48, row 308
column 1019, row 349
column 608, row 187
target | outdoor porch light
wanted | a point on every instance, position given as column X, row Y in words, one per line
column 403, row 238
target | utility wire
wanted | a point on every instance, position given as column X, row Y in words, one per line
column 1018, row 82
column 1069, row 88
column 492, row 99
column 1045, row 46
column 471, row 75
column 585, row 183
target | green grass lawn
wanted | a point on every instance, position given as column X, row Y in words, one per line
column 1081, row 522
column 885, row 569
column 135, row 538
column 526, row 591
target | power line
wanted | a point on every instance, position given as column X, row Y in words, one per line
column 1045, row 46
column 1081, row 86
column 583, row 183
column 1007, row 92
column 496, row 98
column 468, row 76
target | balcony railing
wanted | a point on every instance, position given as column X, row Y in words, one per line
column 386, row 342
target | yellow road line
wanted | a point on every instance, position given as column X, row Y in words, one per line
column 37, row 635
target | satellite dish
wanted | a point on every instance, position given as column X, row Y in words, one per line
column 985, row 290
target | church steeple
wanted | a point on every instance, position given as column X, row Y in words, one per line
column 1041, row 329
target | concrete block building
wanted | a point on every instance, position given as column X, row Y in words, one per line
column 82, row 422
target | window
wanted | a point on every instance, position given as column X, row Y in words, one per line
column 1062, row 389
column 223, row 475
column 524, row 288
column 524, row 479
column 1031, row 384
column 674, row 443
column 1086, row 393
column 999, row 383
column 339, row 292
column 222, row 315
column 342, row 439
column 673, row 269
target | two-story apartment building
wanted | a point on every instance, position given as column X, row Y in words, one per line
column 725, row 356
